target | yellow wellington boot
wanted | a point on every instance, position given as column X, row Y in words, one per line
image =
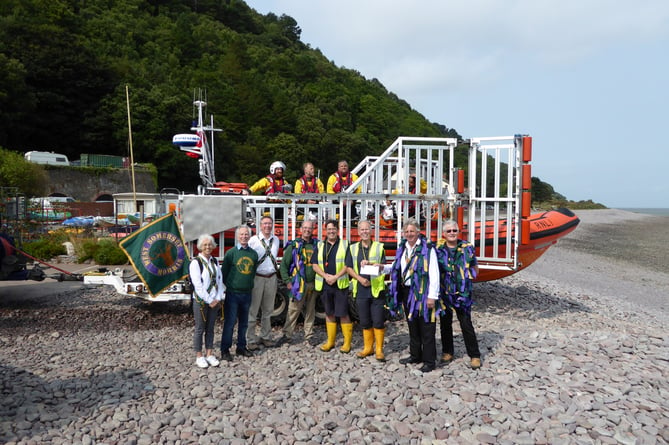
column 347, row 331
column 331, row 328
column 379, row 335
column 368, row 340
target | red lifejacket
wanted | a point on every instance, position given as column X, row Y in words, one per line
column 275, row 186
column 309, row 186
column 341, row 183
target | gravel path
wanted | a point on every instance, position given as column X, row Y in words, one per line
column 572, row 353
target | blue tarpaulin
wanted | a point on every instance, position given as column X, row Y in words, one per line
column 79, row 221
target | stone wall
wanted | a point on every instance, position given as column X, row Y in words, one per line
column 87, row 184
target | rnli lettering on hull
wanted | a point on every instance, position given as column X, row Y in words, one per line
column 543, row 224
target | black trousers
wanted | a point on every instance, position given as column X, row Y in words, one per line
column 371, row 312
column 468, row 333
column 422, row 343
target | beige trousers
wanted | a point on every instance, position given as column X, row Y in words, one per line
column 308, row 301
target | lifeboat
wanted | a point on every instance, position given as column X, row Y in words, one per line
column 380, row 176
column 546, row 228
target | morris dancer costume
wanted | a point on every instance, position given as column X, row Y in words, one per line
column 298, row 274
column 414, row 281
column 457, row 274
column 418, row 273
column 458, row 270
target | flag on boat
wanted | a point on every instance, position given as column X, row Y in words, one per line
column 201, row 137
column 158, row 254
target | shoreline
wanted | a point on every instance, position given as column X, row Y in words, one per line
column 617, row 254
column 656, row 211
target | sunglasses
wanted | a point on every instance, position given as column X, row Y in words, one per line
column 451, row 231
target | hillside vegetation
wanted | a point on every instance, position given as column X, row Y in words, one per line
column 65, row 65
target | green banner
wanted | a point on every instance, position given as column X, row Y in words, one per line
column 158, row 254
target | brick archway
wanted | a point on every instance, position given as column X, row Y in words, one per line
column 104, row 197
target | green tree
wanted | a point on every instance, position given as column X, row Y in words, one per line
column 64, row 66
column 15, row 171
column 16, row 98
column 288, row 150
column 541, row 191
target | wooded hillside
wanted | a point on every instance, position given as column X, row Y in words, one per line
column 65, row 64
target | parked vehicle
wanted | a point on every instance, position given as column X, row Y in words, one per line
column 48, row 200
column 47, row 158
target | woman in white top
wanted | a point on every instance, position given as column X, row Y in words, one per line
column 209, row 291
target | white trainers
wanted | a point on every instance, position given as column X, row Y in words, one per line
column 213, row 361
column 201, row 362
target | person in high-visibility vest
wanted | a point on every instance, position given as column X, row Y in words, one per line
column 272, row 183
column 339, row 181
column 329, row 263
column 368, row 289
column 411, row 205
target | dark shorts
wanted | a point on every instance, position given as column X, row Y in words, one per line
column 335, row 301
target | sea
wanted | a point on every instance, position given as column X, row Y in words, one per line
column 648, row 211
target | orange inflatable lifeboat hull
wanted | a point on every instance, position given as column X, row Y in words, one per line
column 546, row 228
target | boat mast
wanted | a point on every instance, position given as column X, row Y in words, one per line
column 206, row 161
column 132, row 161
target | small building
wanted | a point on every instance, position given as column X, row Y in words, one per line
column 144, row 206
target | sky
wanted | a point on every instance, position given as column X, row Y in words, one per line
column 587, row 79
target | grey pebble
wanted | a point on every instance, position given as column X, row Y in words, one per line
column 559, row 366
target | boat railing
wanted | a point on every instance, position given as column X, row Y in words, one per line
column 487, row 209
column 497, row 187
column 430, row 160
column 382, row 210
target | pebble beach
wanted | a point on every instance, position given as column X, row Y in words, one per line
column 575, row 350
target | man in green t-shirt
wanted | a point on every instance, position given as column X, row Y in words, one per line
column 239, row 270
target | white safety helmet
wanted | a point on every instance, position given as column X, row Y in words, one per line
column 275, row 165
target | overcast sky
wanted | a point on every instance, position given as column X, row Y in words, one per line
column 587, row 79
